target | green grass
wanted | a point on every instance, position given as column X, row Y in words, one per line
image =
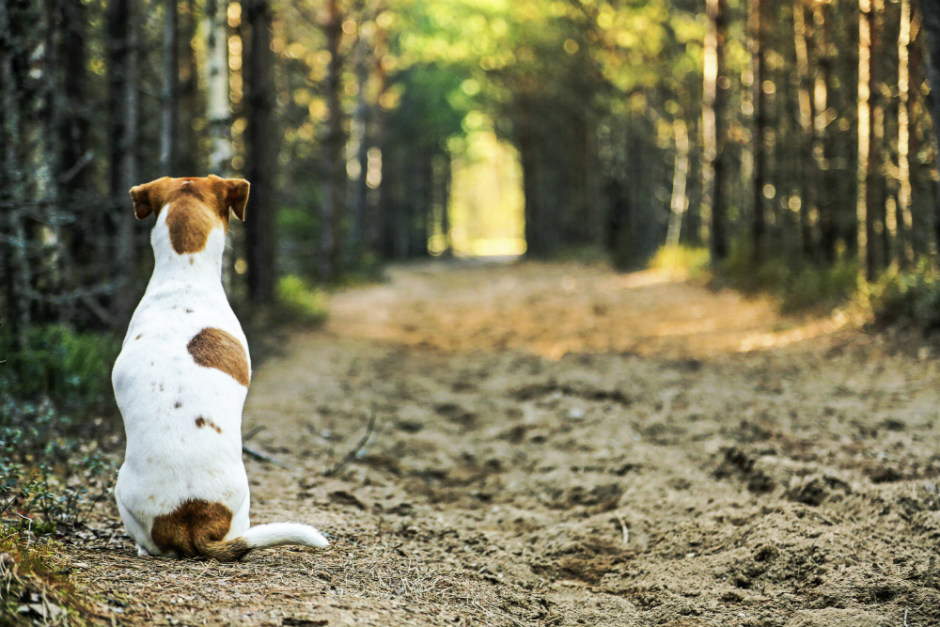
column 689, row 261
column 300, row 302
column 35, row 583
column 909, row 299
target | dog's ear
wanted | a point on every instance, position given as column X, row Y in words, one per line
column 233, row 194
column 148, row 198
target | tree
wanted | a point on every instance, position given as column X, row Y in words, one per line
column 759, row 225
column 123, row 51
column 218, row 112
column 170, row 96
column 713, row 123
column 261, row 153
column 931, row 12
column 333, row 207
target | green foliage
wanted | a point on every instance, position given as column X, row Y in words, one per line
column 689, row 261
column 50, row 474
column 72, row 369
column 301, row 302
column 35, row 583
column 47, row 478
column 909, row 299
column 798, row 286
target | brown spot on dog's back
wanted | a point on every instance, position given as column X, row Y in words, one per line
column 202, row 421
column 197, row 528
column 215, row 348
column 190, row 223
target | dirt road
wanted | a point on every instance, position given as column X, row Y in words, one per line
column 563, row 445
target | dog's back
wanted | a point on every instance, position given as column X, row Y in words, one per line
column 180, row 382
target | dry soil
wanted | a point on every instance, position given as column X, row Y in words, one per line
column 558, row 444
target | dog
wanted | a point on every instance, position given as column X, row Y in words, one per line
column 180, row 383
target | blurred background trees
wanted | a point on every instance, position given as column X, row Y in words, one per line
column 785, row 138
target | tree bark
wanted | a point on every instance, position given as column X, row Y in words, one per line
column 334, row 158
column 714, row 130
column 759, row 221
column 261, row 154
column 170, row 96
column 904, row 246
column 218, row 111
column 870, row 204
column 123, row 53
column 931, row 12
column 679, row 201
column 13, row 187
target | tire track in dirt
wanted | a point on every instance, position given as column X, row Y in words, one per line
column 560, row 444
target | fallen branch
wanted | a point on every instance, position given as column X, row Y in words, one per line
column 358, row 451
column 264, row 457
column 252, row 433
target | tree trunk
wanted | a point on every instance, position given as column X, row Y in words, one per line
column 870, row 131
column 679, row 201
column 714, row 131
column 826, row 136
column 123, row 72
column 334, row 158
column 904, row 220
column 218, row 111
column 810, row 145
column 759, row 223
column 170, row 95
column 189, row 157
column 13, row 190
column 261, row 154
column 361, row 141
column 931, row 12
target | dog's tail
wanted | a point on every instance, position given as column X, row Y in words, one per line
column 260, row 537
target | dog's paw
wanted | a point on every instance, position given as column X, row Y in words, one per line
column 142, row 552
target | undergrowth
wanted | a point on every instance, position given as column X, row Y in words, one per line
column 685, row 261
column 300, row 302
column 35, row 586
column 909, row 298
column 54, row 392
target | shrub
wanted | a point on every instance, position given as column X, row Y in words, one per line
column 301, row 302
column 47, row 479
column 72, row 369
column 688, row 261
column 910, row 298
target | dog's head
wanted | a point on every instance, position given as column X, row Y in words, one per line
column 195, row 206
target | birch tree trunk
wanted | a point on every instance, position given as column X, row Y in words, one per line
column 170, row 97
column 218, row 109
column 679, row 201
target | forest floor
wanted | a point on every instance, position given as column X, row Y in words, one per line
column 558, row 444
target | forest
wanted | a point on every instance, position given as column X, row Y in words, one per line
column 780, row 136
column 453, row 212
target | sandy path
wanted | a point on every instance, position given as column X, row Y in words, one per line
column 562, row 445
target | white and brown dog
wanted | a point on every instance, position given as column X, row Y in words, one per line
column 180, row 382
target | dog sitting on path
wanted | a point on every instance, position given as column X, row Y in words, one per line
column 180, row 382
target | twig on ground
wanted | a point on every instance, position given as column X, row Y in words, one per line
column 264, row 457
column 252, row 433
column 356, row 452
column 624, row 529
